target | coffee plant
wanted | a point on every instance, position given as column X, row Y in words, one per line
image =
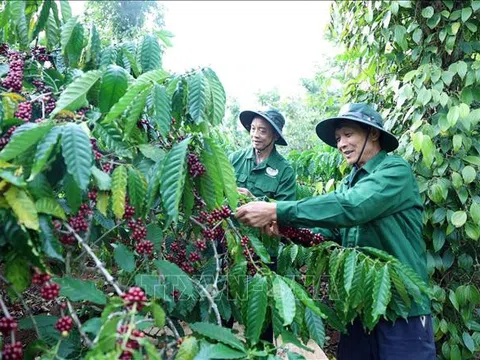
column 419, row 62
column 117, row 239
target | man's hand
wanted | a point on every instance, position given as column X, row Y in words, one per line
column 245, row 191
column 271, row 229
column 257, row 214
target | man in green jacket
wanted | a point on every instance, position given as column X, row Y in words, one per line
column 377, row 205
column 260, row 170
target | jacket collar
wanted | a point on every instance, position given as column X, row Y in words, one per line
column 272, row 161
column 369, row 166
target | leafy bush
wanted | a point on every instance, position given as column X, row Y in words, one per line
column 115, row 211
column 419, row 62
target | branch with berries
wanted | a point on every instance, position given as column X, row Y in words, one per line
column 303, row 236
column 247, row 250
column 9, row 325
column 77, row 322
column 22, row 300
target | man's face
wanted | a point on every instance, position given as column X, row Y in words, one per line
column 350, row 138
column 261, row 133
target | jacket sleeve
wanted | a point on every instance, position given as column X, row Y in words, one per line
column 287, row 188
column 379, row 194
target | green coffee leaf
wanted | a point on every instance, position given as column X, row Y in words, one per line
column 77, row 90
column 124, row 258
column 80, row 290
column 119, row 190
column 218, row 333
column 50, row 206
column 77, row 152
column 284, row 300
column 256, row 308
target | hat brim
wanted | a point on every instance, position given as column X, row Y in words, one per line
column 326, row 132
column 247, row 116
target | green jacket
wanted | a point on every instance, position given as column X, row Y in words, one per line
column 273, row 178
column 378, row 205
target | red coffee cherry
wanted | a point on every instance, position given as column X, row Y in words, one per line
column 24, row 111
column 12, row 351
column 50, row 291
column 196, row 168
column 64, row 324
column 144, row 247
column 40, row 279
column 135, row 295
column 7, row 324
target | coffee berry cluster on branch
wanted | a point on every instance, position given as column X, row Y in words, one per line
column 14, row 78
column 303, row 236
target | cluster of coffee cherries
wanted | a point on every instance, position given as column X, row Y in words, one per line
column 49, row 290
column 213, row 234
column 78, row 222
column 6, row 138
column 144, row 247
column 50, row 103
column 96, row 151
column 12, row 351
column 8, row 324
column 14, row 77
column 64, row 325
column 138, row 228
column 216, row 215
column 131, row 344
column 213, row 230
column 138, row 232
column 129, row 211
column 195, row 167
column 24, row 111
column 40, row 53
column 302, row 236
column 134, row 296
column 39, row 84
column 107, row 167
column 245, row 242
column 178, row 255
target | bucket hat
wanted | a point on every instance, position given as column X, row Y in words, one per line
column 272, row 116
column 361, row 113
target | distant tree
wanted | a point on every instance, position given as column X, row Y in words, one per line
column 325, row 89
column 234, row 136
column 124, row 20
column 270, row 98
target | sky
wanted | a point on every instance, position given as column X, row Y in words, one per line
column 252, row 45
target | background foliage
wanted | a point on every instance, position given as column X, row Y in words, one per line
column 418, row 61
column 118, row 21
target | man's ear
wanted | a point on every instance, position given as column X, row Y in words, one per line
column 375, row 134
